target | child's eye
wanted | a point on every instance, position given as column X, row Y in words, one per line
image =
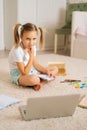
column 34, row 38
column 27, row 38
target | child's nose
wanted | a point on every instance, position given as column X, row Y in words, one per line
column 31, row 43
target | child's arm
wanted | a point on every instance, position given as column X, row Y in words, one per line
column 39, row 67
column 49, row 71
column 25, row 69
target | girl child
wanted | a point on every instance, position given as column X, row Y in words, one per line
column 23, row 63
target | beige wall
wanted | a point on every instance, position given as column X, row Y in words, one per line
column 49, row 14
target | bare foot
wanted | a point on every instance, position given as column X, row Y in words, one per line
column 37, row 87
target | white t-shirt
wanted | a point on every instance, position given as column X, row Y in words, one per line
column 19, row 55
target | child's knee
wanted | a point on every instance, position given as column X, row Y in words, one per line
column 36, row 80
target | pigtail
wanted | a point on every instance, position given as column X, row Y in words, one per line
column 16, row 35
column 41, row 43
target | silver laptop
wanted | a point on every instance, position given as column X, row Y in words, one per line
column 49, row 107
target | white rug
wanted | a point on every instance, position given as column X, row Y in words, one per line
column 10, row 117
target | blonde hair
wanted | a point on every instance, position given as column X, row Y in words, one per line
column 27, row 27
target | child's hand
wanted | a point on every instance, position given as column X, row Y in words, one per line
column 50, row 74
column 26, row 49
column 30, row 50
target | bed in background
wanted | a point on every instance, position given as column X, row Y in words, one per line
column 10, row 117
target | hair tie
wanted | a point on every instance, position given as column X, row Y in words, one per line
column 19, row 30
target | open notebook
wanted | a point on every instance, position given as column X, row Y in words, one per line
column 7, row 101
column 45, row 77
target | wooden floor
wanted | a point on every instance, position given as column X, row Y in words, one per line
column 5, row 53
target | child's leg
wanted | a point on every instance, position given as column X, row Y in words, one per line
column 54, row 71
column 42, row 82
column 30, row 80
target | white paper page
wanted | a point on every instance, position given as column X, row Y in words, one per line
column 45, row 77
column 6, row 101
